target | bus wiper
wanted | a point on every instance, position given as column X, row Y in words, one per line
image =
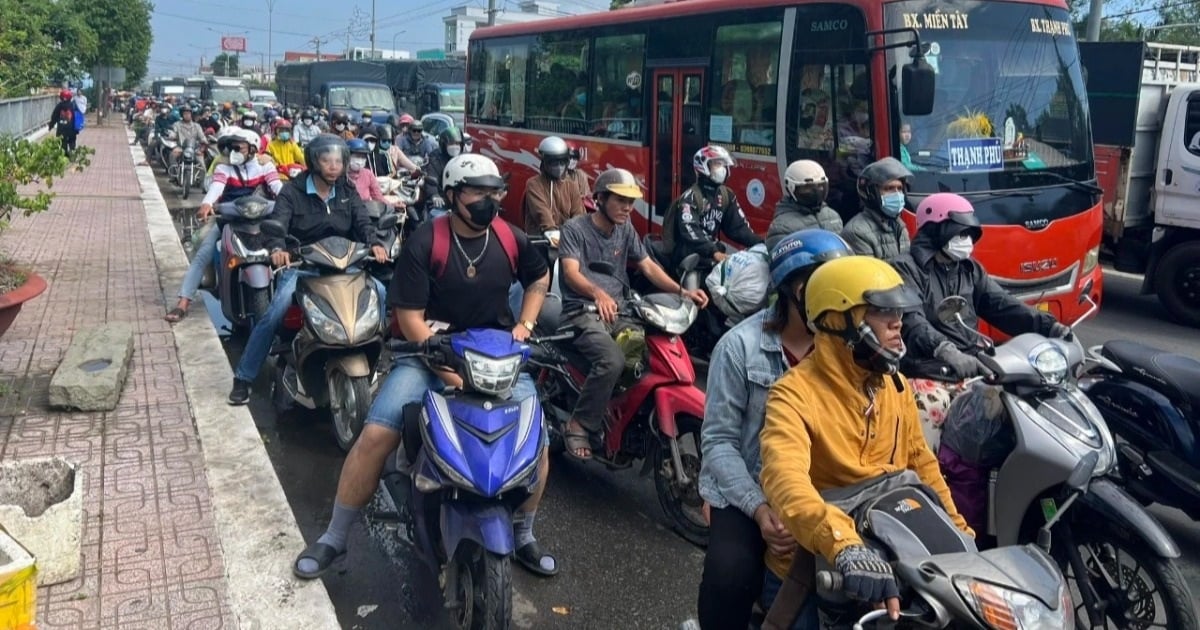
column 1075, row 183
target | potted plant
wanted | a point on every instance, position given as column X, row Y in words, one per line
column 24, row 163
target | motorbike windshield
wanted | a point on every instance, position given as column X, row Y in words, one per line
column 1010, row 108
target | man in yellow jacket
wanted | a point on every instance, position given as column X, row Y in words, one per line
column 844, row 416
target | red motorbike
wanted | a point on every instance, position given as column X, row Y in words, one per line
column 654, row 414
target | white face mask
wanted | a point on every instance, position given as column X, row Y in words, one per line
column 237, row 158
column 959, row 247
column 356, row 163
column 371, row 146
column 719, row 173
column 453, row 150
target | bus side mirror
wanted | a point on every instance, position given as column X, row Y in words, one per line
column 917, row 81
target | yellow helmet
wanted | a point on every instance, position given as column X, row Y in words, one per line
column 844, row 283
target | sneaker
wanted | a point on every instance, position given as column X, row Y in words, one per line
column 240, row 394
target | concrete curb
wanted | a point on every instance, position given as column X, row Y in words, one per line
column 258, row 533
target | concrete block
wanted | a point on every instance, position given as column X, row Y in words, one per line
column 93, row 371
column 41, row 506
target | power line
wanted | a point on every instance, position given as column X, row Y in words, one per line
column 226, row 24
column 1187, row 3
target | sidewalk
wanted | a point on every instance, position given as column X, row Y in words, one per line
column 185, row 523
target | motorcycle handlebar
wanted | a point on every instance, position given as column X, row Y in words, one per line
column 829, row 582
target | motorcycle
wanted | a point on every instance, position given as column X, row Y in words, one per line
column 243, row 278
column 1121, row 564
column 1150, row 399
column 289, row 171
column 166, row 144
column 189, row 171
column 710, row 325
column 655, row 414
column 390, row 238
column 332, row 348
column 468, row 459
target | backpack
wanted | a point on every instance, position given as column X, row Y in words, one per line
column 440, row 253
column 79, row 118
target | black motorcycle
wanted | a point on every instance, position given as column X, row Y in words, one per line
column 1150, row 399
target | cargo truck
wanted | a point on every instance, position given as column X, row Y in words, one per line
column 338, row 86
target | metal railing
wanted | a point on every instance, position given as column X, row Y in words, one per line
column 22, row 116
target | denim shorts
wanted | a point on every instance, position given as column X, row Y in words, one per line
column 407, row 383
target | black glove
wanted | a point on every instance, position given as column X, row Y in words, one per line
column 1060, row 331
column 866, row 576
column 963, row 364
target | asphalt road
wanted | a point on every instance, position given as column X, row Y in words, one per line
column 621, row 567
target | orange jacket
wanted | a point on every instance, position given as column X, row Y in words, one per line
column 817, row 437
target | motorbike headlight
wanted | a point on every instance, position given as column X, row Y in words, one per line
column 368, row 321
column 487, row 375
column 1005, row 609
column 252, row 209
column 671, row 320
column 326, row 327
column 1050, row 362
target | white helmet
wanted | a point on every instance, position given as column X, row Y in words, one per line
column 803, row 173
column 471, row 169
column 251, row 138
column 709, row 154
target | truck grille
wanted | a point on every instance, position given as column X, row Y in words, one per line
column 1061, row 282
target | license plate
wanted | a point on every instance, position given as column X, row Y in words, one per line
column 1044, row 307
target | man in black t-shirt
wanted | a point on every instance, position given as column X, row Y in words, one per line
column 469, row 290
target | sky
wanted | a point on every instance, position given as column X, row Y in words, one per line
column 185, row 31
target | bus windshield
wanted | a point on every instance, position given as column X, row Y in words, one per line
column 361, row 97
column 1009, row 107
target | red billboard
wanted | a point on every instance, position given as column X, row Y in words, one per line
column 233, row 44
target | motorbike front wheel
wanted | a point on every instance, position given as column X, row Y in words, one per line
column 349, row 400
column 257, row 300
column 1137, row 588
column 484, row 589
column 185, row 177
column 681, row 502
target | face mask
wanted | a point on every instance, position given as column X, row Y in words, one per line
column 366, row 121
column 285, row 135
column 340, row 126
column 892, row 203
column 237, row 158
column 306, row 121
column 572, row 165
column 371, row 146
column 556, row 171
column 810, row 198
column 860, row 117
column 719, row 174
column 356, row 163
column 581, row 98
column 453, row 150
column 483, row 211
column 385, row 144
column 249, row 124
column 959, row 247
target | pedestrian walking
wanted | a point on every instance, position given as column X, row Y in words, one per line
column 63, row 121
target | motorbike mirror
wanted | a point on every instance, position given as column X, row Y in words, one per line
column 376, row 209
column 602, row 267
column 951, row 309
column 690, row 262
column 551, row 314
column 1082, row 473
column 389, row 221
column 273, row 228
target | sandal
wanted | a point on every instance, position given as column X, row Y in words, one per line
column 575, row 441
column 324, row 555
column 175, row 315
column 531, row 555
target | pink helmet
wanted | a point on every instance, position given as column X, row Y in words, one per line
column 942, row 207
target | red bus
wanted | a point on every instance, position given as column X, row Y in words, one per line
column 643, row 88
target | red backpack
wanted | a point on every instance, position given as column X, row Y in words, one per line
column 440, row 252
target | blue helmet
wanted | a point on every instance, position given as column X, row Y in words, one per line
column 803, row 250
column 358, row 145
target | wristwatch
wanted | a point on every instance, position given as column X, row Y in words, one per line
column 528, row 325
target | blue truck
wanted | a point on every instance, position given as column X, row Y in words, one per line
column 337, row 86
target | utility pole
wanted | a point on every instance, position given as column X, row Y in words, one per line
column 270, row 32
column 492, row 12
column 1093, row 23
column 372, row 29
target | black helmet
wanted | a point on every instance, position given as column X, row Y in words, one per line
column 878, row 173
column 417, row 126
column 339, row 117
column 449, row 136
column 309, row 114
column 385, row 132
column 322, row 144
column 185, row 108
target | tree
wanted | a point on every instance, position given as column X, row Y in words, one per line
column 122, row 29
column 1177, row 13
column 617, row 4
column 73, row 41
column 225, row 65
column 26, row 52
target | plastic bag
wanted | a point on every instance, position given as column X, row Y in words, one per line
column 740, row 284
column 631, row 339
column 977, row 427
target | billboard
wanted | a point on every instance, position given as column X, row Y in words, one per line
column 233, row 44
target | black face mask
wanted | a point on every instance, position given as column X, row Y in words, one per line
column 483, row 211
column 810, row 198
column 556, row 170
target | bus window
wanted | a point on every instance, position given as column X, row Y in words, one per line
column 617, row 92
column 498, row 81
column 558, row 99
column 743, row 96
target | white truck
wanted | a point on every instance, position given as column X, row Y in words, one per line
column 1144, row 100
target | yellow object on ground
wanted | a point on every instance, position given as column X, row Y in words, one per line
column 18, row 585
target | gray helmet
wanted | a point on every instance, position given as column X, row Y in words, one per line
column 322, row 144
column 877, row 174
column 553, row 147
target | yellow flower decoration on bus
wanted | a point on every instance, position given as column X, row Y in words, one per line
column 972, row 124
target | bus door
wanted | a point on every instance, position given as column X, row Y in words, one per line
column 678, row 133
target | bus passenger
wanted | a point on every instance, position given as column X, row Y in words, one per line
column 706, row 211
column 877, row 230
column 551, row 197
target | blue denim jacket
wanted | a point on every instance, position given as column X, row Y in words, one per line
column 745, row 363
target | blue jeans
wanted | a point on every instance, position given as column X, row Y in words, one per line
column 259, row 343
column 516, row 295
column 808, row 618
column 201, row 258
column 407, row 383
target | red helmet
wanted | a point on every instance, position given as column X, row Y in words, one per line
column 65, row 94
column 281, row 123
column 405, row 119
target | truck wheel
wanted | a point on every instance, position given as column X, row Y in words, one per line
column 1178, row 284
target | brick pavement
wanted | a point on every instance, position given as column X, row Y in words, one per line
column 151, row 553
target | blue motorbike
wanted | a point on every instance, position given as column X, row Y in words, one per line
column 468, row 459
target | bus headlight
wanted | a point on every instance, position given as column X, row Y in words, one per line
column 1091, row 259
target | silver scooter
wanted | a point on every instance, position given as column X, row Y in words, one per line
column 1122, row 567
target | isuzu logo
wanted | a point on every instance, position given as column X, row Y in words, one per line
column 1037, row 224
column 1035, row 266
